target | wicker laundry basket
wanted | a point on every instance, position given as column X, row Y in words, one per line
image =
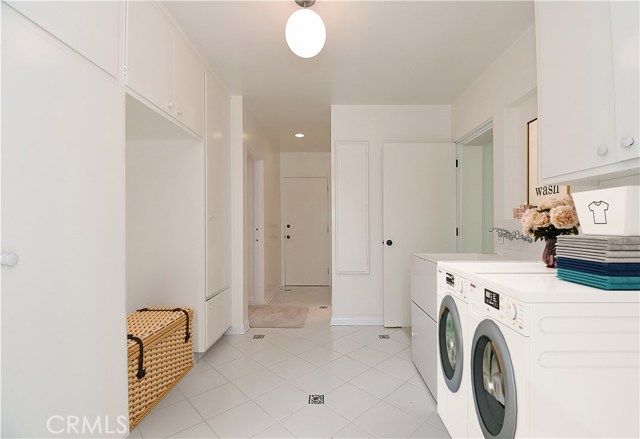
column 160, row 353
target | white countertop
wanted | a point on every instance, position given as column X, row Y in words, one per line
column 437, row 257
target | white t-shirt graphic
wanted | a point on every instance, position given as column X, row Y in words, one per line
column 599, row 210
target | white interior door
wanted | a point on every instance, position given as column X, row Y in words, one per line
column 419, row 215
column 306, row 230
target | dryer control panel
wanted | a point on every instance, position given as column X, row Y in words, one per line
column 499, row 307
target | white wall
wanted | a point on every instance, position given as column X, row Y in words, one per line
column 305, row 164
column 358, row 298
column 506, row 93
column 239, row 299
column 165, row 227
column 256, row 140
column 247, row 135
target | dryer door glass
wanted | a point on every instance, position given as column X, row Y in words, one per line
column 493, row 381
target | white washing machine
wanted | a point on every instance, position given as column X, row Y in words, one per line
column 453, row 380
column 454, row 335
column 552, row 359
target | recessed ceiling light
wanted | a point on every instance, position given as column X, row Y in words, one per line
column 299, row 135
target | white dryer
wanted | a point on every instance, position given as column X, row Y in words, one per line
column 552, row 359
column 454, row 335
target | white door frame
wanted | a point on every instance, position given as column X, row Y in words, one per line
column 467, row 139
column 258, row 222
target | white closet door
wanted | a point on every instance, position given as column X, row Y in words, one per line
column 419, row 215
column 63, row 303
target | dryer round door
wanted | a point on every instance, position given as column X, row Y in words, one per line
column 450, row 342
column 493, row 382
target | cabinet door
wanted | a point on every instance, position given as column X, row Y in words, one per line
column 188, row 85
column 576, row 123
column 218, row 316
column 149, row 53
column 218, row 188
column 626, row 70
column 90, row 27
column 63, row 211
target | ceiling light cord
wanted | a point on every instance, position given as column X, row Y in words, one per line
column 305, row 3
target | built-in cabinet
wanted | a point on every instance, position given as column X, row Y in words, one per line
column 63, row 208
column 588, row 86
column 162, row 67
column 218, row 316
column 92, row 28
column 178, row 186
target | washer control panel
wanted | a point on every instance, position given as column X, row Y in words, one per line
column 451, row 283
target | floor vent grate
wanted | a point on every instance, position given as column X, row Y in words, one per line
column 316, row 399
column 258, row 336
column 384, row 337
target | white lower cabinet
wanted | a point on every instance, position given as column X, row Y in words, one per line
column 218, row 316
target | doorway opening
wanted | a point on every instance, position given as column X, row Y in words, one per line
column 475, row 191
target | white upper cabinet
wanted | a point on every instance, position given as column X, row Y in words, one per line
column 587, row 55
column 161, row 66
column 91, row 28
column 626, row 70
column 188, row 85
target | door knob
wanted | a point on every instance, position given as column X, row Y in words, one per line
column 288, row 236
column 389, row 242
column 8, row 259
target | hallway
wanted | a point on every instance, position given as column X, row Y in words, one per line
column 317, row 381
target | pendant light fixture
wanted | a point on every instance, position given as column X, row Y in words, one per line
column 305, row 31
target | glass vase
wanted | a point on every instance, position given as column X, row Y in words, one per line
column 549, row 253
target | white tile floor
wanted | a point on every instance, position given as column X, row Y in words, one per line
column 244, row 387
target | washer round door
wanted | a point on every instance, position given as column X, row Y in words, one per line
column 493, row 382
column 450, row 341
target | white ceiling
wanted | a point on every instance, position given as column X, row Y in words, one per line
column 377, row 52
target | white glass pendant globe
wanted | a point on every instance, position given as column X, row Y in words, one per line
column 305, row 33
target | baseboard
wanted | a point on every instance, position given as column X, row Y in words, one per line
column 357, row 321
column 275, row 291
column 238, row 329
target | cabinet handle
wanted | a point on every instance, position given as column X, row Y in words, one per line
column 8, row 259
column 602, row 150
column 170, row 105
column 627, row 141
column 179, row 111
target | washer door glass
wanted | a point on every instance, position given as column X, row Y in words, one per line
column 450, row 341
column 493, row 382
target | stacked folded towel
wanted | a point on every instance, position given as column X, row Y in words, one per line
column 601, row 261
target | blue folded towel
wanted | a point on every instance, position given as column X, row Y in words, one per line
column 600, row 268
column 602, row 282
